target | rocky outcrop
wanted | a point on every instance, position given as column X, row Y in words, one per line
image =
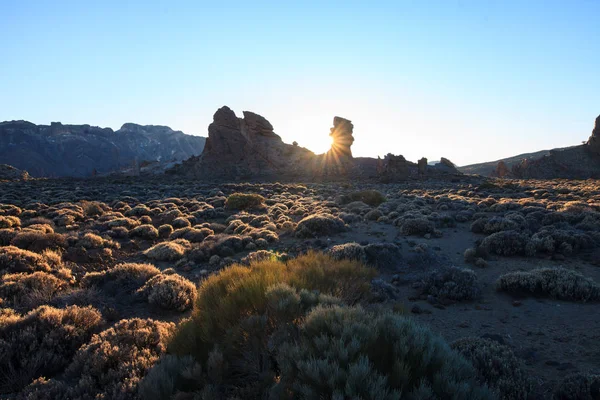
column 593, row 142
column 57, row 150
column 578, row 162
column 248, row 148
column 501, row 171
column 10, row 173
column 245, row 148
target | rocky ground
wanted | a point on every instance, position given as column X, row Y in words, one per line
column 84, row 263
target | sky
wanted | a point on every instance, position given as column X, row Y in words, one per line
column 471, row 81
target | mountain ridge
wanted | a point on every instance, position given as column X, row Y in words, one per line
column 61, row 150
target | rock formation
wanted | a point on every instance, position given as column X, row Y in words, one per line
column 593, row 142
column 342, row 138
column 244, row 148
column 501, row 171
column 77, row 150
column 248, row 148
column 578, row 162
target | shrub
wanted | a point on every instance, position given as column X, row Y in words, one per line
column 92, row 241
column 319, row 225
column 172, row 292
column 164, row 231
column 168, row 251
column 6, row 235
column 558, row 283
column 42, row 342
column 27, row 291
column 38, row 241
column 350, row 353
column 507, row 243
column 578, row 386
column 168, row 376
column 9, row 222
column 122, row 277
column 349, row 251
column 147, row 232
column 114, row 361
column 239, row 291
column 416, row 226
column 244, row 201
column 93, row 208
column 496, row 366
column 371, row 197
column 13, row 259
column 452, row 283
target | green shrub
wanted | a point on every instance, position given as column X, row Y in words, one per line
column 42, row 342
column 507, row 243
column 244, row 201
column 416, row 226
column 242, row 309
column 558, row 283
column 349, row 353
column 453, row 283
column 496, row 366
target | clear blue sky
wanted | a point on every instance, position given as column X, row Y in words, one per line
column 469, row 80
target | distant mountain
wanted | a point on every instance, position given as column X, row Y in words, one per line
column 487, row 168
column 57, row 150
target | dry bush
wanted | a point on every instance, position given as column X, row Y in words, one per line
column 128, row 223
column 27, row 291
column 9, row 222
column 92, row 241
column 13, row 259
column 6, row 235
column 319, row 225
column 244, row 201
column 42, row 342
column 111, row 365
column 93, row 208
column 181, row 222
column 125, row 277
column 146, row 232
column 164, row 231
column 348, row 251
column 496, row 366
column 168, row 251
column 43, row 228
column 39, row 241
column 169, row 291
column 558, row 283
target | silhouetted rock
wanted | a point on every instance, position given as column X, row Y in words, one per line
column 78, row 150
column 248, row 148
column 422, row 166
column 594, row 140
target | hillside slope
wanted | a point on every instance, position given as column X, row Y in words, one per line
column 81, row 150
